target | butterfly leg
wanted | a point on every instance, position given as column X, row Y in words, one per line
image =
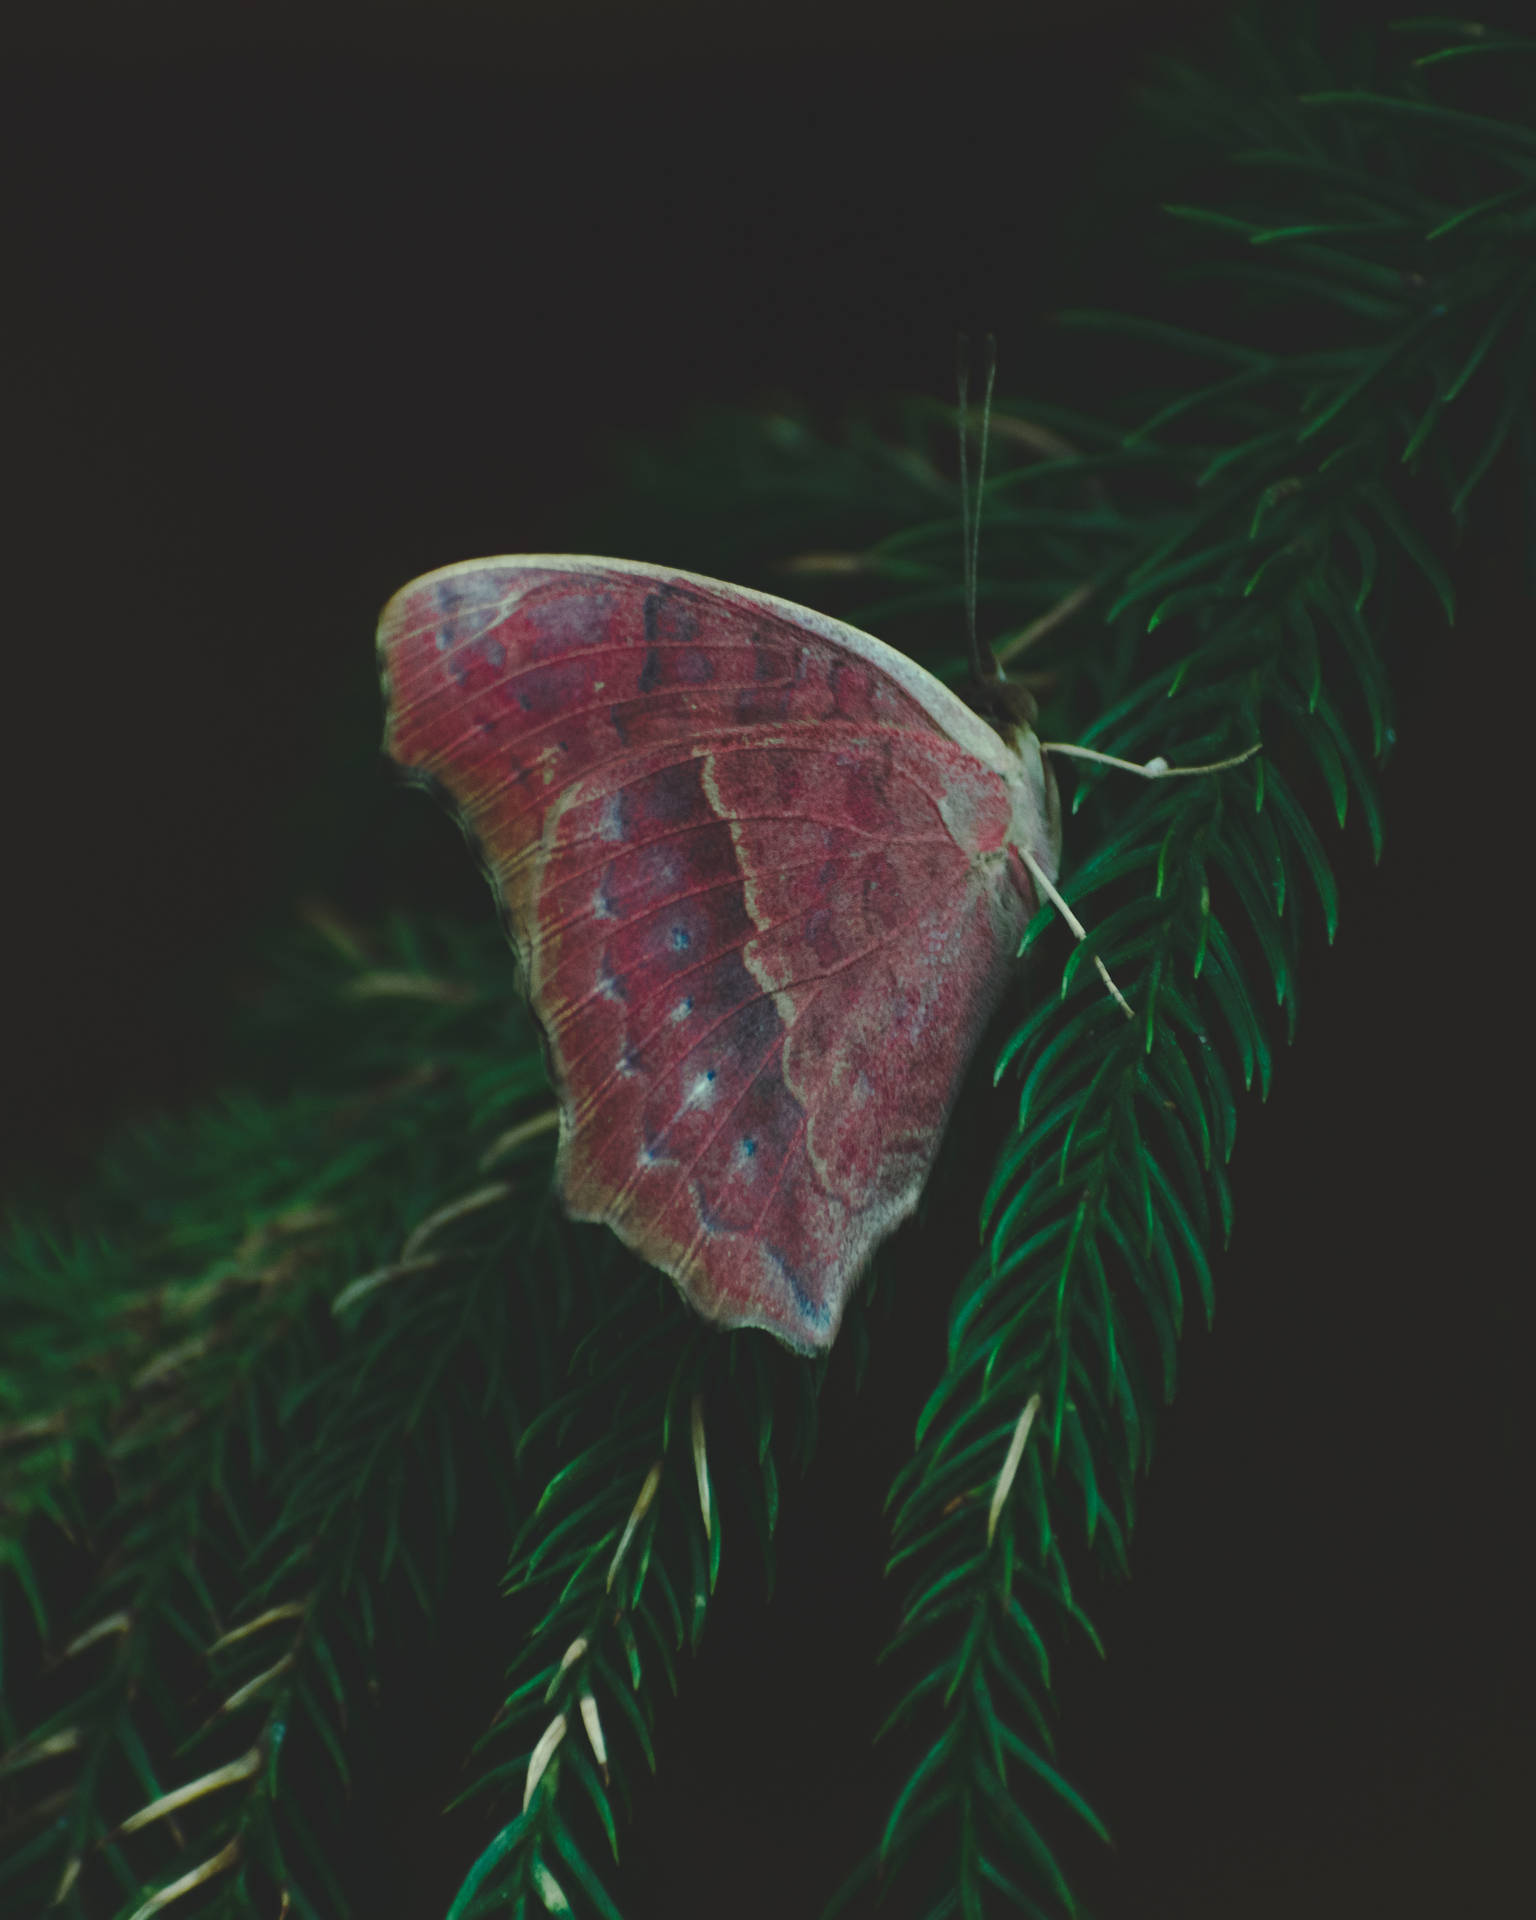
column 1157, row 768
column 1044, row 882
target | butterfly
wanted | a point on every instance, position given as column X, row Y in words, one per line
column 766, row 878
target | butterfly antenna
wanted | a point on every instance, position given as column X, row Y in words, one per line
column 985, row 664
column 968, row 585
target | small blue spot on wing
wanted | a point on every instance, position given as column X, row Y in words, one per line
column 815, row 1314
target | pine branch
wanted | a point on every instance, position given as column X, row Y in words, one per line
column 623, row 1551
column 258, row 1477
column 1111, row 1193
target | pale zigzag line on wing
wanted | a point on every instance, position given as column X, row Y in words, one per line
column 703, row 747
column 882, row 838
column 592, row 1100
column 808, row 1107
column 883, row 835
column 665, row 988
column 638, row 918
column 874, row 947
column 807, row 1113
column 618, row 848
column 551, row 796
column 508, row 870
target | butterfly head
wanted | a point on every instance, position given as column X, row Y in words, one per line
column 1007, row 706
column 1010, row 709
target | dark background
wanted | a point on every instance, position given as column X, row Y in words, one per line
column 314, row 298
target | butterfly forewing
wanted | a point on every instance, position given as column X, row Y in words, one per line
column 761, row 892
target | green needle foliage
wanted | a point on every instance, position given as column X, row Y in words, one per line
column 253, row 1439
column 622, row 1550
column 232, row 1461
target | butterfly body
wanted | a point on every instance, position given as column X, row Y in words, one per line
column 763, row 876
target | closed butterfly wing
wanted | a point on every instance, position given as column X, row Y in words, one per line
column 762, row 875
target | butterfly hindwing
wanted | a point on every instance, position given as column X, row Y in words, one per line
column 762, row 896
